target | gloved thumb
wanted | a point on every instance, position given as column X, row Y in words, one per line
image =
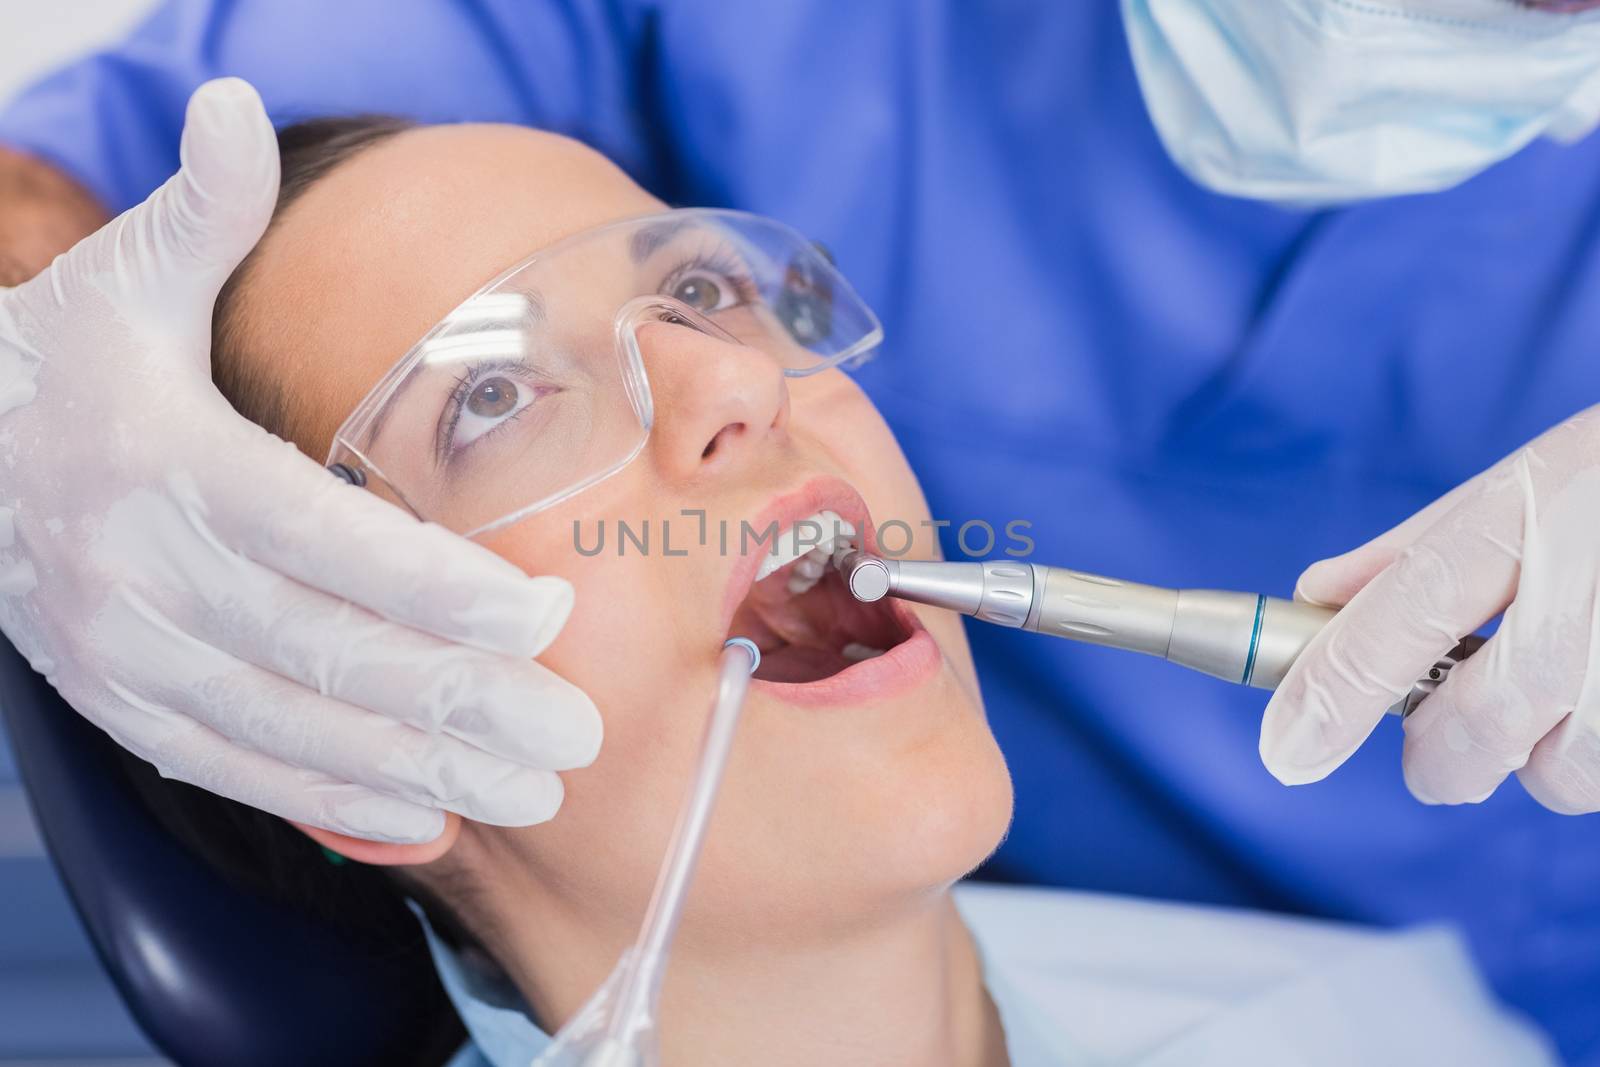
column 1333, row 581
column 214, row 210
column 163, row 261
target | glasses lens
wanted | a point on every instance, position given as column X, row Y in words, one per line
column 528, row 392
column 778, row 291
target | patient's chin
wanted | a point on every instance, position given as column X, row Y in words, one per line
column 958, row 820
column 899, row 845
column 383, row 853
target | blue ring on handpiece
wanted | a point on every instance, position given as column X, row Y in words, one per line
column 1255, row 640
column 755, row 653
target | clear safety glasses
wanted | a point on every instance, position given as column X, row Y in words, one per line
column 536, row 387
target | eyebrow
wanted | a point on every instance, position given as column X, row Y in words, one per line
column 522, row 307
column 649, row 239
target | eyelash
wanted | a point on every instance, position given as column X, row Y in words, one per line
column 469, row 379
column 722, row 260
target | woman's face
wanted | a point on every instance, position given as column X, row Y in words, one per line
column 852, row 791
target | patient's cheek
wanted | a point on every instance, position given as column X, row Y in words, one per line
column 832, row 406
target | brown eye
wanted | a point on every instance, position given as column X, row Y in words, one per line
column 492, row 397
column 480, row 406
column 805, row 306
column 699, row 292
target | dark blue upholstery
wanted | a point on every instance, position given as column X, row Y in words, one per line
column 215, row 977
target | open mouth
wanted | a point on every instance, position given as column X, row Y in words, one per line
column 801, row 615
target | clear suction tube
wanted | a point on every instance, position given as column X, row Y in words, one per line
column 617, row 1027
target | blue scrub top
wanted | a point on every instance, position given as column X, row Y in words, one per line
column 1172, row 386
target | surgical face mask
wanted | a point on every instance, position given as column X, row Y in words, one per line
column 1322, row 101
column 536, row 387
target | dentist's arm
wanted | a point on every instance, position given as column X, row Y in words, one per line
column 214, row 600
column 1523, row 538
column 42, row 212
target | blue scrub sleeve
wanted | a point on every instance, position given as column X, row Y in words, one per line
column 113, row 119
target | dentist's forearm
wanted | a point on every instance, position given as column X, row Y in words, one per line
column 42, row 214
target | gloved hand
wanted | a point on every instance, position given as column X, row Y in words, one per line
column 1524, row 537
column 216, row 601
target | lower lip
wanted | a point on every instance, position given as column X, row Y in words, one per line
column 899, row 671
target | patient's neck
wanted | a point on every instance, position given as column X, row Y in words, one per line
column 908, row 989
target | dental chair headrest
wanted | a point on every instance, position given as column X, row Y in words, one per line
column 215, row 976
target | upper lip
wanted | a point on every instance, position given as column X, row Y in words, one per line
column 824, row 493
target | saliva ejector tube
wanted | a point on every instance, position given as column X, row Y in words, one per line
column 617, row 1026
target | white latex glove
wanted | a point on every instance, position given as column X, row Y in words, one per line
column 1523, row 537
column 216, row 601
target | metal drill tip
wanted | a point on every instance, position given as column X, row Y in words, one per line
column 866, row 576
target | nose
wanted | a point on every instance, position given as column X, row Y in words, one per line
column 717, row 402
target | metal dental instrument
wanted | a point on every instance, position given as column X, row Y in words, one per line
column 1245, row 638
column 617, row 1026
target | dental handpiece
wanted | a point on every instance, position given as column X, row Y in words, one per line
column 1245, row 638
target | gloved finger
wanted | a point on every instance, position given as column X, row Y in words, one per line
column 1445, row 584
column 222, row 197
column 289, row 514
column 189, row 752
column 1487, row 718
column 302, row 728
column 1479, row 725
column 509, row 707
column 1563, row 771
column 1333, row 581
column 1556, row 622
column 190, row 234
column 299, row 727
column 207, row 596
column 296, row 724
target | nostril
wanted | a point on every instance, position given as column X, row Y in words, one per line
column 730, row 430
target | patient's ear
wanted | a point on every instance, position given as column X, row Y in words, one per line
column 383, row 854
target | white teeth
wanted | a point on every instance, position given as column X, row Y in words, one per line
column 815, row 535
column 808, row 572
column 857, row 652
